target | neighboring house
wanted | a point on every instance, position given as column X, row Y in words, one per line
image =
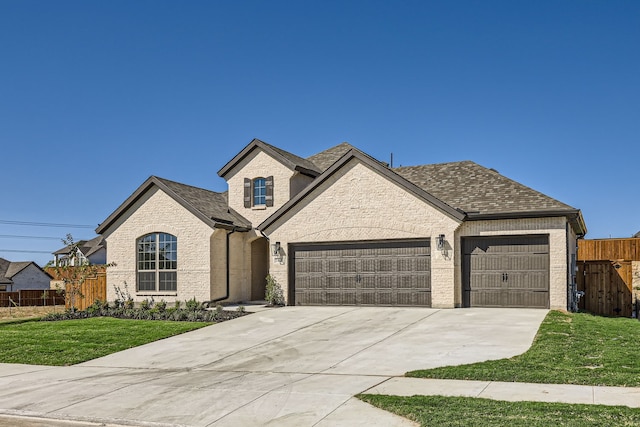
column 92, row 251
column 17, row 276
column 342, row 228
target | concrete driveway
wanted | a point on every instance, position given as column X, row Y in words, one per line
column 297, row 366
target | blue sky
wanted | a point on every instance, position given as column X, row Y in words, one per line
column 96, row 96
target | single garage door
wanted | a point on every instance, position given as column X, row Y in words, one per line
column 509, row 271
column 385, row 273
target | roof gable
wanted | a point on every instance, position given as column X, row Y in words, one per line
column 378, row 167
column 209, row 206
column 290, row 160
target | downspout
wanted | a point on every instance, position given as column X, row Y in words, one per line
column 226, row 295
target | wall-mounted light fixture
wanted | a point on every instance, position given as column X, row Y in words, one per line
column 275, row 249
column 440, row 242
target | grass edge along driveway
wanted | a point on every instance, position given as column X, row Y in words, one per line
column 69, row 342
column 569, row 348
column 466, row 411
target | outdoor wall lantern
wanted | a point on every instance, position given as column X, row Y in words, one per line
column 440, row 242
column 276, row 248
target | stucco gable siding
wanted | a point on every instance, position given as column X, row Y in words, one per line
column 358, row 203
column 155, row 211
column 260, row 164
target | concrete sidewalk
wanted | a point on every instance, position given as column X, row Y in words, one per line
column 513, row 392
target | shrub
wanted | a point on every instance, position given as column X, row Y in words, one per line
column 273, row 292
column 193, row 305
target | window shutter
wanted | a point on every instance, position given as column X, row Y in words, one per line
column 247, row 193
column 269, row 188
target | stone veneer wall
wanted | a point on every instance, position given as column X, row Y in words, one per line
column 358, row 203
column 259, row 164
column 157, row 212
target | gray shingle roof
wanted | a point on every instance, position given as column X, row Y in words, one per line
column 326, row 158
column 211, row 207
column 290, row 160
column 8, row 269
column 475, row 189
column 87, row 247
column 4, row 266
column 296, row 160
column 210, row 203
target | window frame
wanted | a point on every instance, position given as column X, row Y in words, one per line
column 153, row 269
column 263, row 191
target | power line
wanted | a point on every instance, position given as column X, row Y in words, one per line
column 25, row 251
column 13, row 236
column 44, row 224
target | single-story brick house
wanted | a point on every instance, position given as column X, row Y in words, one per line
column 342, row 228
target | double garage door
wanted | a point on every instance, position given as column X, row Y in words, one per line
column 386, row 273
column 501, row 271
column 507, row 271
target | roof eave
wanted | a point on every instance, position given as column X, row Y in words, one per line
column 256, row 143
column 308, row 172
column 573, row 215
column 374, row 164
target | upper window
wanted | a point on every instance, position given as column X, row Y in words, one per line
column 259, row 192
column 157, row 262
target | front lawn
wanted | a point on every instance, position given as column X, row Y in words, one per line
column 577, row 348
column 74, row 341
column 469, row 411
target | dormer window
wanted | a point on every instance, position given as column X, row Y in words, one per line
column 258, row 192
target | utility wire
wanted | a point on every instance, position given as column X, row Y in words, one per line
column 28, row 252
column 44, row 224
column 13, row 236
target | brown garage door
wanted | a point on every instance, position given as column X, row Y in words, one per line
column 389, row 273
column 509, row 271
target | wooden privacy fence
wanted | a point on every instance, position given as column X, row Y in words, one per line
column 609, row 249
column 28, row 297
column 82, row 296
column 607, row 287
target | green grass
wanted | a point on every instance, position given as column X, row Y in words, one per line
column 469, row 411
column 569, row 349
column 74, row 341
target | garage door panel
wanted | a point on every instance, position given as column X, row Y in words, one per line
column 527, row 298
column 366, row 273
column 510, row 271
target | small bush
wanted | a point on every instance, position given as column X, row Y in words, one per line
column 273, row 292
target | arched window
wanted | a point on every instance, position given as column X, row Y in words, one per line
column 259, row 192
column 157, row 262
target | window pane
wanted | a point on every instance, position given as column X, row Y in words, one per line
column 146, row 281
column 168, row 281
column 259, row 191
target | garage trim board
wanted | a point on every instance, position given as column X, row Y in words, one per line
column 373, row 273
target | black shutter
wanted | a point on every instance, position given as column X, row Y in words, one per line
column 247, row 193
column 269, row 187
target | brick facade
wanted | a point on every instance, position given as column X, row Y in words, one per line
column 357, row 203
